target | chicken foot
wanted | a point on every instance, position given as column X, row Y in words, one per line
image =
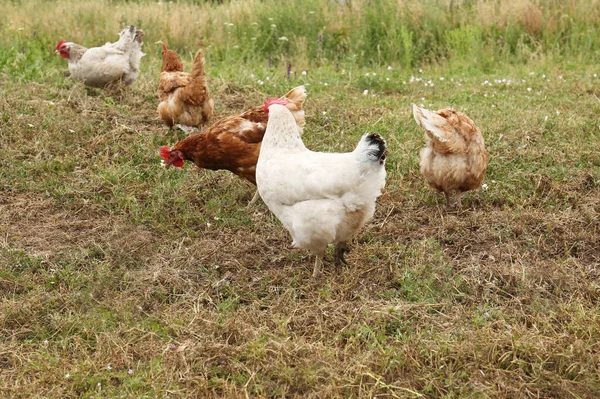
column 457, row 197
column 338, row 253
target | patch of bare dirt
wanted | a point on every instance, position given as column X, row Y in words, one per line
column 34, row 223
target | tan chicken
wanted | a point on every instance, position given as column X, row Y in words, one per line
column 184, row 97
column 233, row 143
column 455, row 158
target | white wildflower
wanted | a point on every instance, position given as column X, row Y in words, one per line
column 283, row 39
column 441, row 78
column 109, row 367
column 324, row 112
column 595, row 75
column 374, row 74
column 30, row 125
column 531, row 73
column 162, row 163
column 130, row 371
column 367, row 74
column 267, row 78
column 484, row 187
column 325, row 84
column 420, row 71
column 389, row 68
column 529, row 89
column 67, row 376
column 546, row 118
column 306, row 73
column 365, row 92
column 71, row 130
column 389, row 79
column 260, row 82
column 273, row 26
column 557, row 112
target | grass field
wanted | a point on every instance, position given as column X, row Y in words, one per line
column 120, row 279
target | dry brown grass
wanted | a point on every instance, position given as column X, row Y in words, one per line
column 108, row 260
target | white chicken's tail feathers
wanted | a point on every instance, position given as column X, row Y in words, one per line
column 372, row 148
column 139, row 35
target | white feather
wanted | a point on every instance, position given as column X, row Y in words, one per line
column 320, row 198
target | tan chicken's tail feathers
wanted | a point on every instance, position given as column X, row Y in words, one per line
column 296, row 96
column 443, row 136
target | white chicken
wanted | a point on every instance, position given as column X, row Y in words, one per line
column 320, row 198
column 100, row 66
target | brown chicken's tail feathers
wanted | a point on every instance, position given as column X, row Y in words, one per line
column 198, row 66
column 296, row 96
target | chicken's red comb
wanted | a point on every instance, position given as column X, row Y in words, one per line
column 274, row 100
column 164, row 152
column 63, row 41
column 164, row 47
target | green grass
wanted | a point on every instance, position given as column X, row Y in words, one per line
column 119, row 278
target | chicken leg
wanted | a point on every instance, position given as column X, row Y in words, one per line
column 338, row 253
column 317, row 268
column 254, row 199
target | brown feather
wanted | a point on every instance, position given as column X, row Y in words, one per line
column 184, row 97
column 233, row 143
column 455, row 157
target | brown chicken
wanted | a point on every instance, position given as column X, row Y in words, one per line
column 455, row 158
column 184, row 97
column 233, row 143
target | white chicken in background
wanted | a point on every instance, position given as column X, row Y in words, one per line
column 113, row 62
column 320, row 198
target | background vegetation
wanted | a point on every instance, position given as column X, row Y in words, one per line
column 121, row 279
